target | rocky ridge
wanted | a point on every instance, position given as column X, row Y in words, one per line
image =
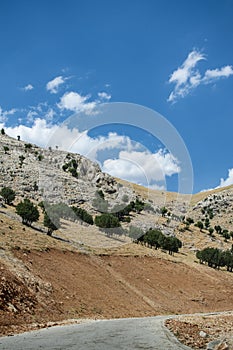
column 54, row 175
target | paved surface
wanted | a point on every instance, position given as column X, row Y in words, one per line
column 122, row 334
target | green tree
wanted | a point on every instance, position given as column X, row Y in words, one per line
column 83, row 215
column 207, row 223
column 107, row 221
column 226, row 235
column 211, row 231
column 28, row 146
column 228, row 260
column 73, row 172
column 40, row 157
column 214, row 257
column 6, row 149
column 218, row 229
column 2, row 131
column 172, row 244
column 51, row 220
column 163, row 211
column 28, row 212
column 154, row 238
column 200, row 225
column 8, row 195
column 188, row 222
column 139, row 205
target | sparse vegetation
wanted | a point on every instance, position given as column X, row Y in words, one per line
column 71, row 167
column 107, row 221
column 40, row 157
column 216, row 258
column 200, row 225
column 8, row 195
column 51, row 220
column 163, row 211
column 28, row 146
column 28, row 212
column 21, row 160
column 156, row 239
column 6, row 149
column 83, row 215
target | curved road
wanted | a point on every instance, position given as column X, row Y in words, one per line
column 121, row 334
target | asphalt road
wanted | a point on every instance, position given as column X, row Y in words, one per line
column 121, row 334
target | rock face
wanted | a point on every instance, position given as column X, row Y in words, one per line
column 218, row 207
column 55, row 176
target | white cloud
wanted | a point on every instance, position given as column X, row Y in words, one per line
column 141, row 167
column 53, row 85
column 50, row 114
column 42, row 111
column 187, row 77
column 104, row 96
column 132, row 162
column 28, row 87
column 38, row 133
column 31, row 116
column 228, row 181
column 223, row 182
column 214, row 74
column 5, row 114
column 73, row 101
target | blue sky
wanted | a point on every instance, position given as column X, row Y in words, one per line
column 175, row 57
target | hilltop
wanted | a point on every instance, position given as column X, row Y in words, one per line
column 82, row 272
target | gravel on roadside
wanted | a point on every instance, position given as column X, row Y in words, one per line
column 199, row 331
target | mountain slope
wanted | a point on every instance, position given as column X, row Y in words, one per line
column 82, row 272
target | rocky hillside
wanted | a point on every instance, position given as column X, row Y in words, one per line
column 217, row 207
column 57, row 176
column 53, row 175
column 80, row 272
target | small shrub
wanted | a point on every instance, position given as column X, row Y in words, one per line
column 40, row 157
column 28, row 146
column 6, row 149
column 8, row 195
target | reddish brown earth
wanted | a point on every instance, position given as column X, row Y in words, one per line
column 196, row 332
column 106, row 286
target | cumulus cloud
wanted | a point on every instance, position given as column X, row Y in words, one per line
column 132, row 162
column 187, row 77
column 104, row 96
column 4, row 114
column 38, row 133
column 223, row 182
column 53, row 85
column 50, row 113
column 228, row 181
column 31, row 116
column 142, row 166
column 214, row 74
column 28, row 87
column 75, row 102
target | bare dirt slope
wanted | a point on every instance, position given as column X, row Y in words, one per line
column 44, row 279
